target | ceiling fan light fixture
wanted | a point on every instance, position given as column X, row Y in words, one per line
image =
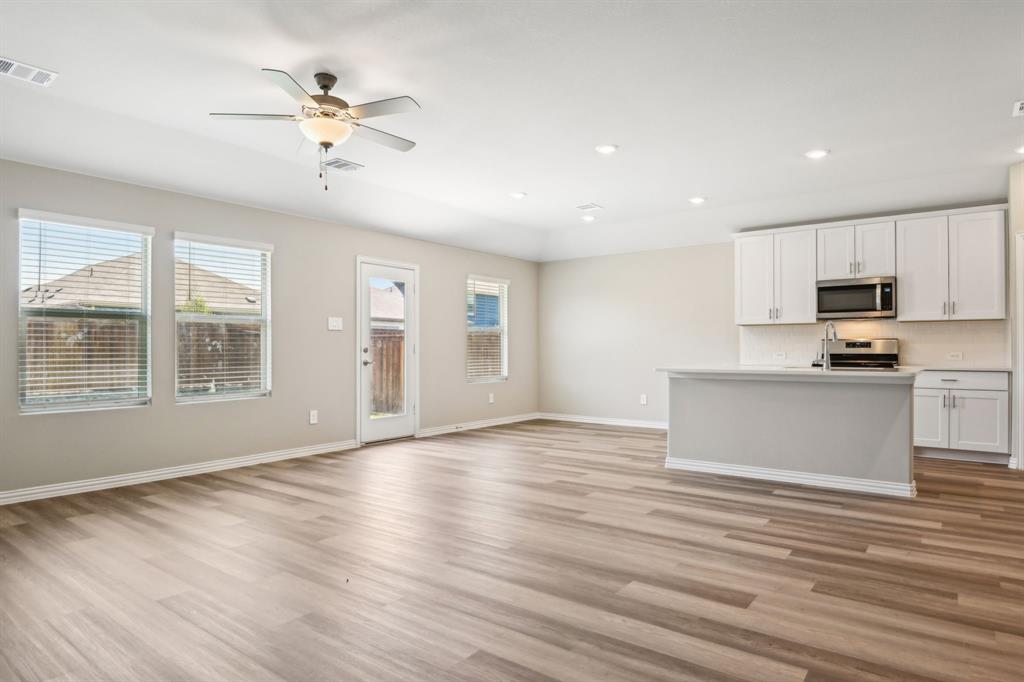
column 325, row 131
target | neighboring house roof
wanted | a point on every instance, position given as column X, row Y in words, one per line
column 387, row 304
column 115, row 284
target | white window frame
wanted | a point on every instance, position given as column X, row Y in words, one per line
column 504, row 327
column 34, row 215
column 266, row 391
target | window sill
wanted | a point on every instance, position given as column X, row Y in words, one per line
column 489, row 380
column 67, row 409
column 192, row 400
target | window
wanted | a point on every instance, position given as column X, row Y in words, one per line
column 83, row 313
column 222, row 318
column 486, row 329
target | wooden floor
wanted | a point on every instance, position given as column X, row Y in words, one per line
column 534, row 551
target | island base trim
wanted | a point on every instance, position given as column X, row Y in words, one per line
column 860, row 485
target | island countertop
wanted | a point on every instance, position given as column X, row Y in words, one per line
column 903, row 375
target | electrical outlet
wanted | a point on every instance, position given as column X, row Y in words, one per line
column 643, row 398
column 314, row 417
column 490, row 398
column 955, row 355
column 779, row 355
column 335, row 324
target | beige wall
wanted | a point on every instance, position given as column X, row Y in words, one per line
column 607, row 322
column 313, row 277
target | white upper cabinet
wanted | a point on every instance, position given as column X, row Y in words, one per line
column 754, row 263
column 795, row 291
column 977, row 266
column 951, row 267
column 922, row 269
column 875, row 250
column 836, row 252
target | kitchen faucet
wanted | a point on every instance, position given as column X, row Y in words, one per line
column 830, row 335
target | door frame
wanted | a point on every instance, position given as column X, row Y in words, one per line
column 414, row 371
column 1017, row 336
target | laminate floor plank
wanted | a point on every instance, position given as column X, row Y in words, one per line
column 535, row 551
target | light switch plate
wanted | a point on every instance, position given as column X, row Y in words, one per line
column 314, row 417
column 335, row 324
column 955, row 355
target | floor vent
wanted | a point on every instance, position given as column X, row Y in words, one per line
column 24, row 72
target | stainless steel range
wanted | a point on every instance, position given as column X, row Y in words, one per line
column 873, row 354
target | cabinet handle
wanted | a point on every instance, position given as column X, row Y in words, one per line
column 954, row 402
column 769, row 313
column 943, row 399
column 851, row 267
column 943, row 307
column 952, row 308
column 778, row 313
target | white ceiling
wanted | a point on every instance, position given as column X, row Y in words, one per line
column 713, row 99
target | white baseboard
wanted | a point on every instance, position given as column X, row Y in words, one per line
column 478, row 424
column 73, row 487
column 860, row 485
column 607, row 421
column 1013, row 463
column 962, row 455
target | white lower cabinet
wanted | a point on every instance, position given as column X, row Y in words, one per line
column 931, row 418
column 962, row 411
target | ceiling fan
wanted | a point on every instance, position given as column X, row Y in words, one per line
column 328, row 120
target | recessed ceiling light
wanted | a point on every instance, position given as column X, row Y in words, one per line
column 517, row 195
column 697, row 201
column 606, row 149
column 816, row 154
column 1020, row 149
column 587, row 218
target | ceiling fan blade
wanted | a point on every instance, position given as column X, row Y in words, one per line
column 380, row 137
column 288, row 84
column 260, row 117
column 383, row 107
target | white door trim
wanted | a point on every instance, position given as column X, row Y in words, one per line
column 415, row 369
column 1017, row 336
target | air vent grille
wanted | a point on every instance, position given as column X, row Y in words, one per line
column 26, row 72
column 343, row 165
column 589, row 207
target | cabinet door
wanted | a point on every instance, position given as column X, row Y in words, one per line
column 796, row 300
column 979, row 420
column 876, row 250
column 836, row 253
column 754, row 256
column 977, row 266
column 931, row 417
column 922, row 269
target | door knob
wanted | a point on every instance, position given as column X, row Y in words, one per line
column 367, row 362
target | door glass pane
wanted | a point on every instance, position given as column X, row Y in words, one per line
column 387, row 347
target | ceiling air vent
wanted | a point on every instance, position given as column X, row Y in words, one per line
column 25, row 72
column 589, row 207
column 1018, row 108
column 343, row 165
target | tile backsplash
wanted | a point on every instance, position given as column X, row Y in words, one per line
column 984, row 343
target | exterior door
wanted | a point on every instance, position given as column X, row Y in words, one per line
column 836, row 253
column 978, row 420
column 977, row 266
column 795, row 292
column 922, row 269
column 931, row 417
column 754, row 280
column 876, row 250
column 387, row 351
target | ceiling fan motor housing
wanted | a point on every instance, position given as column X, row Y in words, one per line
column 325, row 81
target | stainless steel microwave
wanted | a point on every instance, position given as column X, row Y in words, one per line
column 867, row 297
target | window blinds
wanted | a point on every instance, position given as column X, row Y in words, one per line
column 83, row 316
column 487, row 329
column 221, row 300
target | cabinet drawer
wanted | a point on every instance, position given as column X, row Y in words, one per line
column 974, row 381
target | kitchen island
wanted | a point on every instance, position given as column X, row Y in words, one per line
column 851, row 430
